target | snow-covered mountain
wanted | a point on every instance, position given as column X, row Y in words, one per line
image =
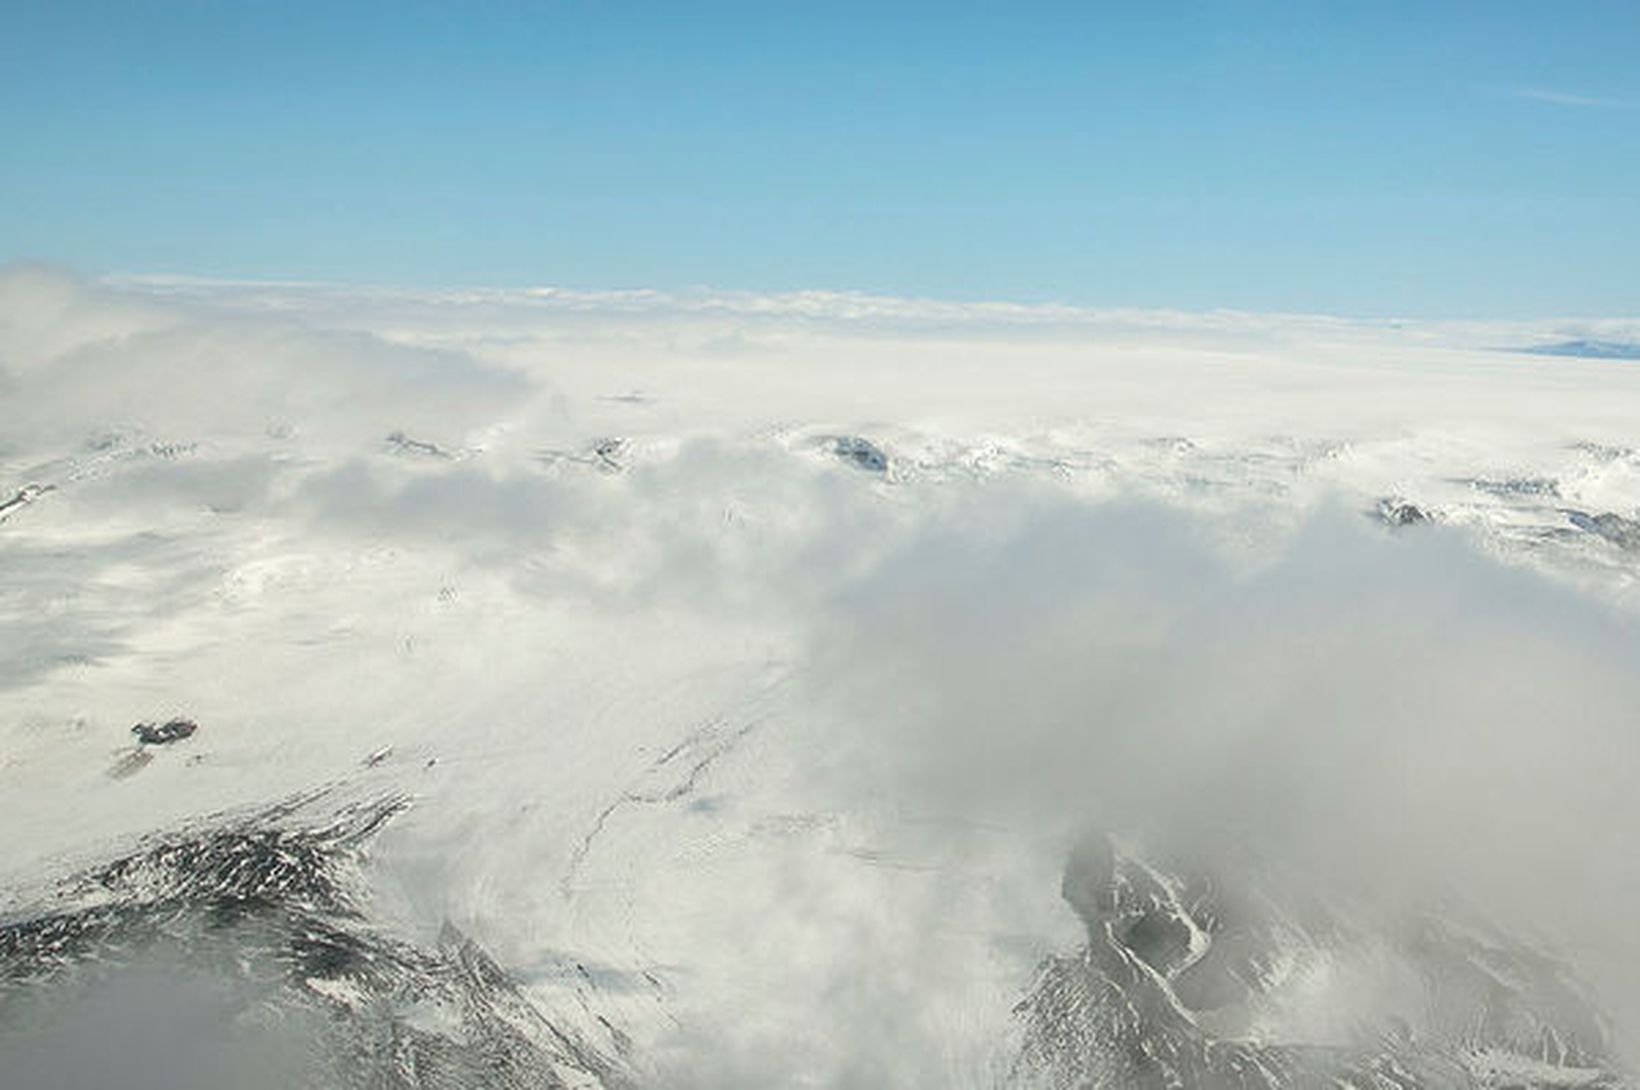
column 454, row 689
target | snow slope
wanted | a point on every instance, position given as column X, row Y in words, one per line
column 736, row 677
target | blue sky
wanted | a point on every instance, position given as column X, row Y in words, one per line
column 1422, row 159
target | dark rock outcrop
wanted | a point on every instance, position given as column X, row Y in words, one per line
column 163, row 734
column 1185, row 979
column 1620, row 531
column 1400, row 513
column 269, row 901
column 860, row 453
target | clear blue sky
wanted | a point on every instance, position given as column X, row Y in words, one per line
column 1417, row 158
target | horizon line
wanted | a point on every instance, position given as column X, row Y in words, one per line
column 792, row 302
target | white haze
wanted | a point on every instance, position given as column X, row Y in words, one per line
column 1119, row 574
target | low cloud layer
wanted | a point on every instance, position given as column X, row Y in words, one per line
column 1390, row 726
column 770, row 755
column 1391, row 712
column 80, row 363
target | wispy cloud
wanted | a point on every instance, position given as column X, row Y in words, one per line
column 1568, row 98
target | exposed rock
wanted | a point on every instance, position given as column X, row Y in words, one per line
column 404, row 444
column 22, row 498
column 860, row 453
column 163, row 734
column 607, row 454
column 1509, row 487
column 1398, row 513
column 270, row 901
column 1184, row 977
column 1620, row 531
column 1603, row 452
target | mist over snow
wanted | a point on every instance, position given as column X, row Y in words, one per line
column 719, row 690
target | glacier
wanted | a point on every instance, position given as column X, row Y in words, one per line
column 635, row 689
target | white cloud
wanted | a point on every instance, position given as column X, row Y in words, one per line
column 791, row 749
column 1580, row 101
column 84, row 362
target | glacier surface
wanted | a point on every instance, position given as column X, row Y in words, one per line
column 716, row 690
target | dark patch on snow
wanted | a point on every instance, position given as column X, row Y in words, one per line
column 607, row 455
column 22, row 498
column 171, row 451
column 1544, row 487
column 860, row 453
column 163, row 734
column 1400, row 513
column 1620, row 531
column 1177, row 445
column 404, row 444
column 1603, row 452
column 608, row 452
